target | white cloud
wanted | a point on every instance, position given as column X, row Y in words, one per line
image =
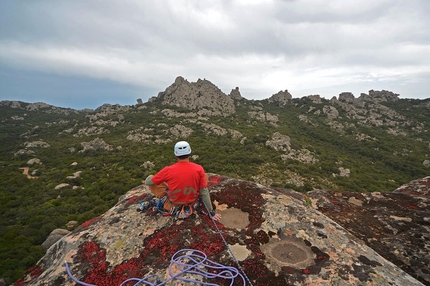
column 260, row 46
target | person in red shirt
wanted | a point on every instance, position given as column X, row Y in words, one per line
column 181, row 184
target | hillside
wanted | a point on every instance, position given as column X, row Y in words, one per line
column 62, row 167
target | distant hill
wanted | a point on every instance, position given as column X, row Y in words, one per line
column 61, row 167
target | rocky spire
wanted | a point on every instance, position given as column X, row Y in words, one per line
column 197, row 95
column 281, row 98
column 235, row 94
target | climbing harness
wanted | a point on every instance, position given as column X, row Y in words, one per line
column 188, row 261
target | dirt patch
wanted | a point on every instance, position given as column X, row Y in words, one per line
column 25, row 172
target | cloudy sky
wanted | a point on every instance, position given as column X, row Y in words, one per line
column 84, row 53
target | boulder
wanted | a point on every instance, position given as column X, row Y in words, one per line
column 269, row 236
column 53, row 237
column 62, row 185
column 33, row 161
column 281, row 98
column 235, row 94
column 279, row 142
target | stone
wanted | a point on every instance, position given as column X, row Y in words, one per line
column 393, row 224
column 235, row 94
column 33, row 161
column 95, row 144
column 279, row 142
column 53, row 237
column 308, row 249
column 281, row 98
column 346, row 97
column 62, row 185
column 71, row 224
column 201, row 95
column 37, row 144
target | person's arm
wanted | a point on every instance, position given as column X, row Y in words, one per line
column 149, row 181
column 204, row 194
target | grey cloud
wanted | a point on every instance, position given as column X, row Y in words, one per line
column 260, row 47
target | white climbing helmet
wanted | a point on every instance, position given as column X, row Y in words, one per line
column 182, row 148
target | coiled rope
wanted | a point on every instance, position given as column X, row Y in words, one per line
column 188, row 261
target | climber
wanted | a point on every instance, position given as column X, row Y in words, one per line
column 179, row 187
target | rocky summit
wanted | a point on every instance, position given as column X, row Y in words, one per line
column 270, row 236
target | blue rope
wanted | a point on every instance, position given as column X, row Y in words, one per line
column 188, row 261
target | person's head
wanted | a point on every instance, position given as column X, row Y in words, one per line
column 182, row 150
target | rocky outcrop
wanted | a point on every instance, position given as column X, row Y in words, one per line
column 37, row 144
column 394, row 224
column 279, row 142
column 53, row 237
column 88, row 131
column 235, row 94
column 282, row 143
column 96, row 144
column 263, row 116
column 346, row 97
column 33, row 161
column 379, row 96
column 275, row 236
column 201, row 95
column 281, row 98
column 39, row 106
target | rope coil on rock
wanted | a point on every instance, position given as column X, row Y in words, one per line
column 188, row 261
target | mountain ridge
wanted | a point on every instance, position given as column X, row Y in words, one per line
column 62, row 167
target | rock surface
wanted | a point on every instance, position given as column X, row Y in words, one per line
column 198, row 96
column 53, row 237
column 276, row 235
column 395, row 224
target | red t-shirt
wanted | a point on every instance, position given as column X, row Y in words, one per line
column 184, row 179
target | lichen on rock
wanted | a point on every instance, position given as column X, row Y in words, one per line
column 307, row 249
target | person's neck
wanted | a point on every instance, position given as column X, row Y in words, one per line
column 184, row 160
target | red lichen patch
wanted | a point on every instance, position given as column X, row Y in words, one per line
column 255, row 241
column 214, row 180
column 90, row 222
column 260, row 275
column 410, row 206
column 134, row 199
column 245, row 196
column 160, row 246
column 29, row 275
column 96, row 269
column 375, row 223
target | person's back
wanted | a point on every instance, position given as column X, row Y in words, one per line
column 184, row 180
column 181, row 183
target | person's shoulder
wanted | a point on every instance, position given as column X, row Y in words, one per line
column 197, row 166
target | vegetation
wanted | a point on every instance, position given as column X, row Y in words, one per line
column 30, row 208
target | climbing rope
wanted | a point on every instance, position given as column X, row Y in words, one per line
column 228, row 247
column 188, row 261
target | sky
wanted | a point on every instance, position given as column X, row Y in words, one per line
column 85, row 53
